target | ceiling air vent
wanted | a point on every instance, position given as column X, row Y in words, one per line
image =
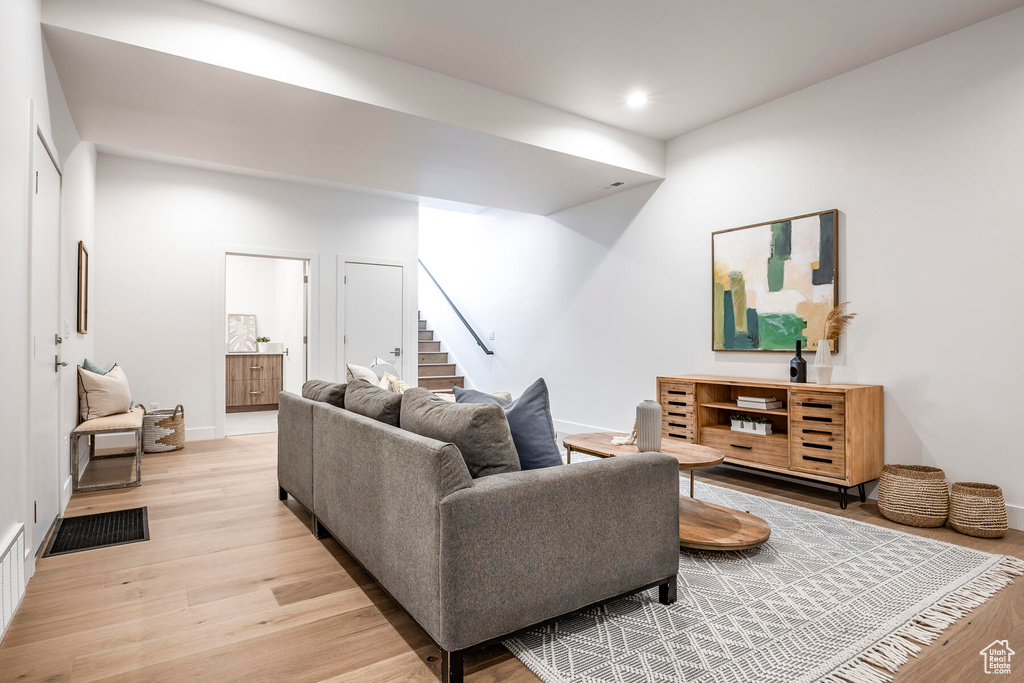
column 609, row 186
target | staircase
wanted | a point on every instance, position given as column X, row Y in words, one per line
column 435, row 372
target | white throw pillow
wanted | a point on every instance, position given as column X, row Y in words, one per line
column 102, row 395
column 359, row 372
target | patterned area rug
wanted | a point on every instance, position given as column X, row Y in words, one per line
column 826, row 599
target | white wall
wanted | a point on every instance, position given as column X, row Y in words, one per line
column 25, row 74
column 272, row 290
column 162, row 229
column 922, row 153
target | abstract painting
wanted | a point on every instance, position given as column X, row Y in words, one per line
column 774, row 283
column 241, row 333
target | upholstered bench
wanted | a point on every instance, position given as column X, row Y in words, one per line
column 121, row 423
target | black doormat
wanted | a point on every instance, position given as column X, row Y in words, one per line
column 98, row 531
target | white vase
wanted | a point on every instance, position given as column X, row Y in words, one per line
column 648, row 426
column 823, row 363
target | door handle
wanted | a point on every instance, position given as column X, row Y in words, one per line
column 57, row 339
column 397, row 352
column 58, row 363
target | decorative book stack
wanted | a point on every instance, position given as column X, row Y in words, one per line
column 758, row 402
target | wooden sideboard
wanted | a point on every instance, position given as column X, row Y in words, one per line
column 832, row 433
column 253, row 381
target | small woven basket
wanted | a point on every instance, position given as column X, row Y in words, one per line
column 163, row 430
column 914, row 495
column 977, row 509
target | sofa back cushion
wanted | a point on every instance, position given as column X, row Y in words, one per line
column 373, row 402
column 325, row 392
column 529, row 417
column 479, row 431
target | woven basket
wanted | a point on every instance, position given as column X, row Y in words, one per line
column 163, row 430
column 914, row 495
column 977, row 509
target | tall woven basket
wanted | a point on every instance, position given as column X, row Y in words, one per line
column 977, row 509
column 163, row 430
column 914, row 495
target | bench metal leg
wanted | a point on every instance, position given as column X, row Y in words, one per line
column 667, row 591
column 451, row 667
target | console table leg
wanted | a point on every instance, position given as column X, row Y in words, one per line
column 842, row 497
column 863, row 494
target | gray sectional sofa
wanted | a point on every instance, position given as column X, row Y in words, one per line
column 473, row 560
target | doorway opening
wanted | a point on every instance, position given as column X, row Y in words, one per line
column 266, row 332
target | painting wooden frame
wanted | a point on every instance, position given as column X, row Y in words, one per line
column 83, row 289
column 788, row 277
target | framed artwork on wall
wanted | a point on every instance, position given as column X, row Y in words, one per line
column 83, row 289
column 773, row 283
column 241, row 333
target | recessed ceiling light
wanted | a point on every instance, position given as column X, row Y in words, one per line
column 637, row 99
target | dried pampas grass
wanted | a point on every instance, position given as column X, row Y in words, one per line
column 837, row 321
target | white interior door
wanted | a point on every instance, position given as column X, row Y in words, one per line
column 44, row 402
column 373, row 313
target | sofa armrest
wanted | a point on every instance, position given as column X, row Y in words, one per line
column 523, row 547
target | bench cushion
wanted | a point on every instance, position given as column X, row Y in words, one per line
column 125, row 421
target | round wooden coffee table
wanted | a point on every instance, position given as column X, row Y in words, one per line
column 704, row 526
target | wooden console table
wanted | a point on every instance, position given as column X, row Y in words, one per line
column 832, row 433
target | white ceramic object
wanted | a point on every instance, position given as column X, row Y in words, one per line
column 823, row 363
column 648, row 426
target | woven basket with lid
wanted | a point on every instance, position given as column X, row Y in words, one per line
column 977, row 509
column 915, row 495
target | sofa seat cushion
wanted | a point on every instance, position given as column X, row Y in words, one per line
column 480, row 431
column 371, row 401
column 529, row 418
column 324, row 392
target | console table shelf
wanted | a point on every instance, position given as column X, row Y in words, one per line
column 831, row 433
column 735, row 408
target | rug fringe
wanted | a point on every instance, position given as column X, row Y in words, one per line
column 887, row 655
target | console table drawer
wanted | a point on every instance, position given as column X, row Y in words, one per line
column 767, row 450
column 824, row 434
column 677, row 430
column 806, row 458
column 817, row 407
column 678, row 399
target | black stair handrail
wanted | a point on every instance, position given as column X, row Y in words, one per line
column 456, row 309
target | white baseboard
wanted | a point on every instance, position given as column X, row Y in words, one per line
column 200, row 433
column 1015, row 517
column 569, row 428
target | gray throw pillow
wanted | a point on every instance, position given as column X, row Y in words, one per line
column 479, row 431
column 373, row 402
column 529, row 418
column 325, row 392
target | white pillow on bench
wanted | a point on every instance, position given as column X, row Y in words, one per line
column 102, row 395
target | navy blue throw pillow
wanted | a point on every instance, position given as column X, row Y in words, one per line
column 529, row 418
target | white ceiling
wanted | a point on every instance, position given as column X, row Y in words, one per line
column 699, row 60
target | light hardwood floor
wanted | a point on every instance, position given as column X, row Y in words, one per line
column 233, row 586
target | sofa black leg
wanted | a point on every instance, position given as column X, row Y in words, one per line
column 667, row 592
column 319, row 530
column 281, row 493
column 451, row 667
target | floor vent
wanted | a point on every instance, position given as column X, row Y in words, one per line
column 102, row 530
column 12, row 578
